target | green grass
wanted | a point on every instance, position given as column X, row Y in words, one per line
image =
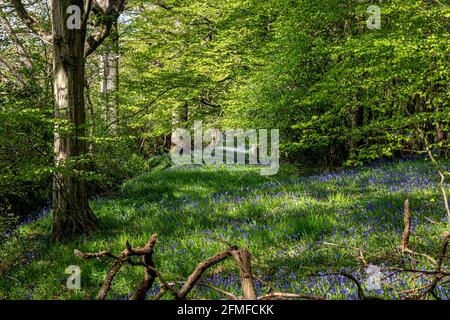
column 284, row 221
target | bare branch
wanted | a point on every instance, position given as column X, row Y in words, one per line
column 442, row 252
column 242, row 258
column 228, row 294
column 201, row 268
column 407, row 225
column 107, row 19
column 97, row 255
column 124, row 257
column 29, row 21
column 283, row 295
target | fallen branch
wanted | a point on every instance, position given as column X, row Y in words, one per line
column 166, row 285
column 98, row 255
column 407, row 226
column 149, row 273
column 124, row 257
column 228, row 294
column 242, row 258
column 283, row 295
column 442, row 252
column 201, row 268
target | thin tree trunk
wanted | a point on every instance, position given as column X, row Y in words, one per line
column 109, row 70
column 90, row 110
column 71, row 212
column 440, row 135
column 356, row 118
column 179, row 119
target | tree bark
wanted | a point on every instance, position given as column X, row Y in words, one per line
column 109, row 70
column 242, row 258
column 72, row 215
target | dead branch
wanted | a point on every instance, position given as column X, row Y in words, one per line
column 442, row 252
column 441, row 182
column 161, row 293
column 228, row 294
column 361, row 294
column 125, row 255
column 429, row 258
column 98, row 255
column 242, row 258
column 283, row 295
column 407, row 226
column 201, row 268
column 243, row 261
column 109, row 278
column 149, row 272
column 166, row 285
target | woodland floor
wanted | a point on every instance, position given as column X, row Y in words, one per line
column 283, row 220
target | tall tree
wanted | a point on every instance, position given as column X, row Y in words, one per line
column 109, row 78
column 109, row 73
column 71, row 46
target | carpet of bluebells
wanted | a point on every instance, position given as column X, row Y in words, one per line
column 302, row 231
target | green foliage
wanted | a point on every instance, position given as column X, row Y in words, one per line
column 339, row 91
column 340, row 94
column 25, row 151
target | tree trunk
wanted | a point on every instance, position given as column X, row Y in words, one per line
column 179, row 119
column 71, row 212
column 356, row 118
column 109, row 66
column 109, row 73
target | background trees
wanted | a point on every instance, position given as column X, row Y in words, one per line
column 340, row 94
column 349, row 94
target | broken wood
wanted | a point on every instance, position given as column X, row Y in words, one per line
column 201, row 268
column 407, row 225
column 124, row 257
column 243, row 260
column 283, row 295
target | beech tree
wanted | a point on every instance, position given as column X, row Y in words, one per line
column 71, row 46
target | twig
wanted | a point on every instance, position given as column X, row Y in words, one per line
column 284, row 295
column 228, row 294
column 432, row 260
column 361, row 294
column 97, row 255
column 165, row 284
